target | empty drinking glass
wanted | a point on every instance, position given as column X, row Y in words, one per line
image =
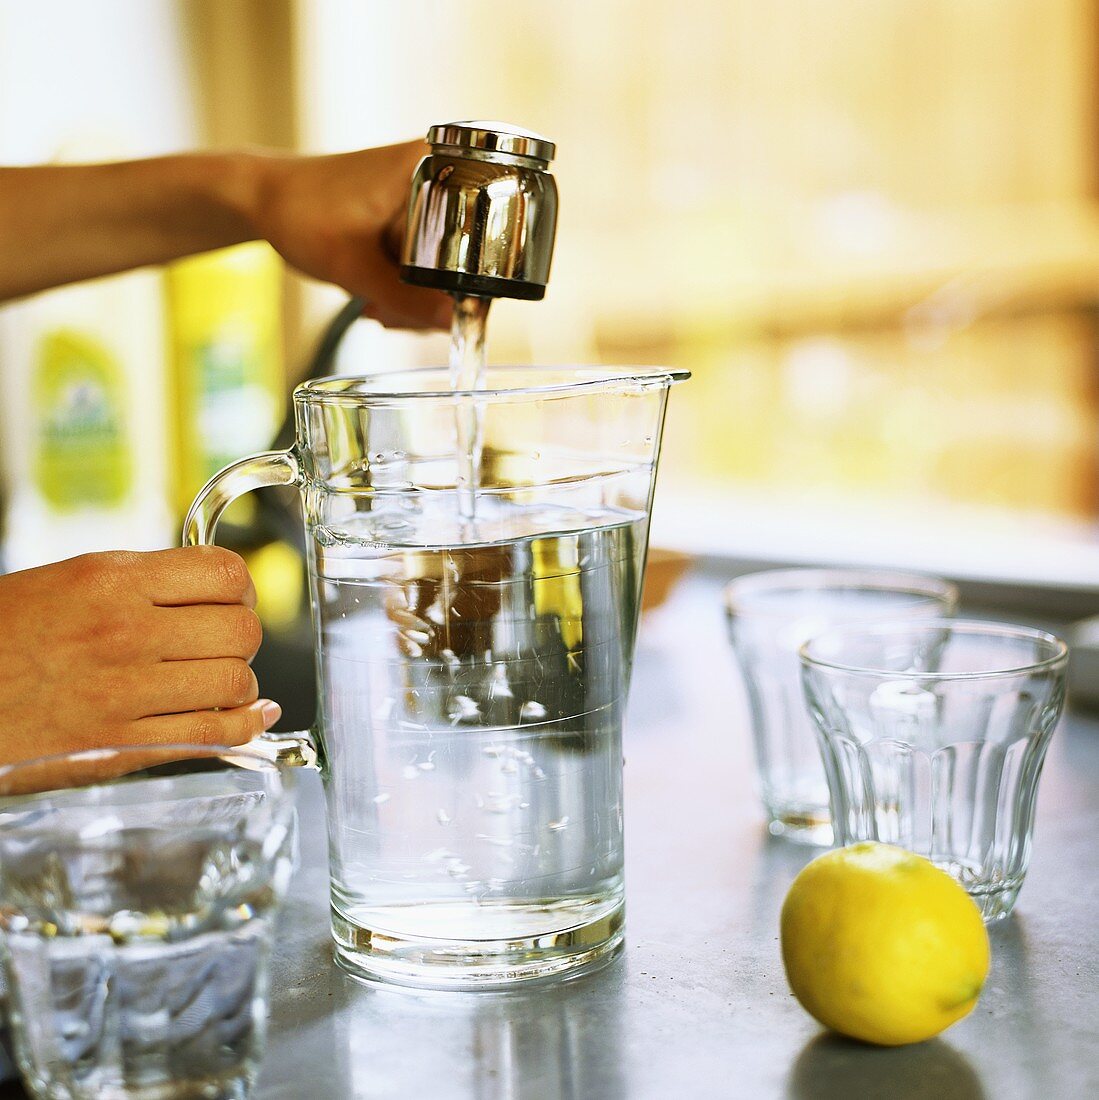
column 933, row 736
column 770, row 615
column 137, row 891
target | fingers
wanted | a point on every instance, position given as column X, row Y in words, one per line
column 233, row 726
column 400, row 305
column 178, row 686
column 397, row 304
column 393, row 236
column 341, row 217
column 205, row 631
column 196, row 575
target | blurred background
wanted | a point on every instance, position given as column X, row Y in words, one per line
column 870, row 229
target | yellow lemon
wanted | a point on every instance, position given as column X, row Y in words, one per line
column 881, row 945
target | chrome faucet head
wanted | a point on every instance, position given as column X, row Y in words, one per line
column 482, row 213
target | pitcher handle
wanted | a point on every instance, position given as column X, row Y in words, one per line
column 254, row 472
column 259, row 471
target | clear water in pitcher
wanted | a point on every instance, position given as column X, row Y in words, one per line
column 472, row 699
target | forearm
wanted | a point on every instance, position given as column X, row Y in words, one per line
column 59, row 224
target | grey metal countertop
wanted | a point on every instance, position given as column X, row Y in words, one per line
column 697, row 1004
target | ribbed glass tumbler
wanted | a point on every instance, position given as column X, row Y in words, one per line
column 770, row 614
column 933, row 736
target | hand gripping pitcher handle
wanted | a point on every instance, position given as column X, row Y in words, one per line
column 254, row 472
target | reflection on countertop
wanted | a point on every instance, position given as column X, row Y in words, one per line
column 697, row 1004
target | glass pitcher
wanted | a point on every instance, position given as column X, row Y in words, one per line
column 473, row 653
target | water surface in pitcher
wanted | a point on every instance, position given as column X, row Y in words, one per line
column 471, row 712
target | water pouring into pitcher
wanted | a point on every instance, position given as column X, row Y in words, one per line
column 476, row 548
column 481, row 224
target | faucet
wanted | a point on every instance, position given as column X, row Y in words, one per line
column 482, row 212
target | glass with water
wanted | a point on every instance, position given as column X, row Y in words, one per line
column 139, row 889
column 474, row 639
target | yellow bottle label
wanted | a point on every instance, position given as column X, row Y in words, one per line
column 82, row 453
column 225, row 314
column 232, row 404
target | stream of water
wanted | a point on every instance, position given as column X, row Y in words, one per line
column 467, row 372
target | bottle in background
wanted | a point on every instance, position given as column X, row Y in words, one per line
column 225, row 338
column 84, row 404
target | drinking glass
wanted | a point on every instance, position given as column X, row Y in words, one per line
column 137, row 893
column 933, row 736
column 474, row 636
column 770, row 615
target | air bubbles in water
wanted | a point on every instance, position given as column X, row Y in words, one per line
column 495, row 841
column 502, row 804
column 462, row 708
